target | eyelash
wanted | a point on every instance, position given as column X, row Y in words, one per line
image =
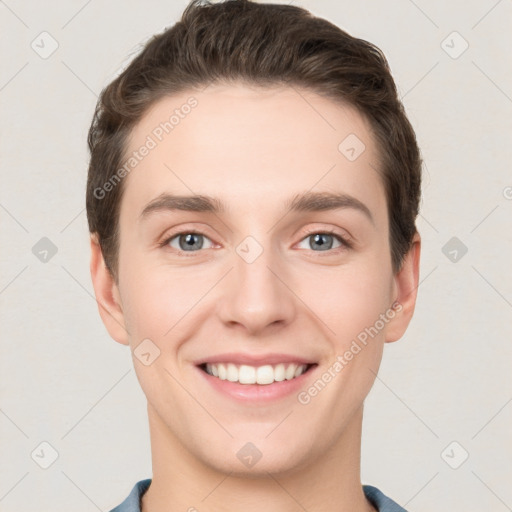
column 343, row 240
column 345, row 244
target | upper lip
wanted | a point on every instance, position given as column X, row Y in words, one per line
column 253, row 359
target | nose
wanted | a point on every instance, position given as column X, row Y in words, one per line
column 255, row 297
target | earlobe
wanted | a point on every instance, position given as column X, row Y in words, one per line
column 107, row 295
column 406, row 283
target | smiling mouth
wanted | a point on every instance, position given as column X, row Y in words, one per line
column 263, row 375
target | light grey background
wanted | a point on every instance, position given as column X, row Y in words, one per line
column 66, row 383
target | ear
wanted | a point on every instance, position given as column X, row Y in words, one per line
column 405, row 286
column 107, row 295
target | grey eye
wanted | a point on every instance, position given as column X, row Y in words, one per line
column 322, row 241
column 189, row 241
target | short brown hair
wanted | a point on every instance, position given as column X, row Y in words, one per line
column 260, row 44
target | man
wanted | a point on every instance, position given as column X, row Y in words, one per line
column 252, row 195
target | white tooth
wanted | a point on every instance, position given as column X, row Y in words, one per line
column 300, row 370
column 290, row 371
column 279, row 373
column 232, row 373
column 265, row 374
column 223, row 374
column 247, row 374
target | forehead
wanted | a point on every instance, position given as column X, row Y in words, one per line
column 250, row 143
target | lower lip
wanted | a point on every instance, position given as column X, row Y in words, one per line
column 257, row 392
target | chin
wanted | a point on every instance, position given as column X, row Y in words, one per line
column 254, row 459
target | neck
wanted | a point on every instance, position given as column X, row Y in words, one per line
column 329, row 482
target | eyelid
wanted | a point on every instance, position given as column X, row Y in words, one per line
column 345, row 239
column 166, row 239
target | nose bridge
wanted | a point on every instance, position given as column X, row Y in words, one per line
column 252, row 266
column 256, row 297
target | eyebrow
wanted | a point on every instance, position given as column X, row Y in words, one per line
column 305, row 202
column 321, row 201
column 169, row 202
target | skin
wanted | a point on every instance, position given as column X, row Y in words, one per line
column 242, row 144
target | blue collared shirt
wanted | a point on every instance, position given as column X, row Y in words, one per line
column 381, row 502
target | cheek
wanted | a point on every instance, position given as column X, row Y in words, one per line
column 143, row 298
column 160, row 301
column 347, row 300
column 151, row 309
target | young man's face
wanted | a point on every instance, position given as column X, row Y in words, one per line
column 260, row 281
